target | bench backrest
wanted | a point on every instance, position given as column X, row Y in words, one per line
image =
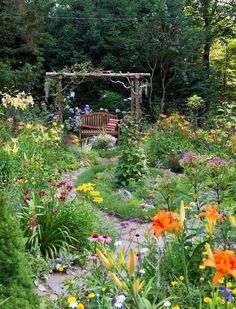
column 97, row 119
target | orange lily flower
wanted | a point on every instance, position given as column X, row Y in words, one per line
column 165, row 221
column 212, row 215
column 223, row 261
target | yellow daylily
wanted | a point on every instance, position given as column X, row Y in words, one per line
column 108, row 261
column 121, row 284
column 131, row 263
column 137, row 285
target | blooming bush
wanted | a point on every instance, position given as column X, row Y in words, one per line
column 54, row 220
column 103, row 141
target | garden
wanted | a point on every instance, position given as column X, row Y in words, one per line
column 117, row 189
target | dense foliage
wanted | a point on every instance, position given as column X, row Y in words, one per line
column 16, row 287
column 171, row 39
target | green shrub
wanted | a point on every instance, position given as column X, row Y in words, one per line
column 132, row 162
column 15, row 280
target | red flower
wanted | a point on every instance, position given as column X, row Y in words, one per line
column 55, row 212
column 41, row 193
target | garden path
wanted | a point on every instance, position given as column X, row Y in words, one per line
column 131, row 233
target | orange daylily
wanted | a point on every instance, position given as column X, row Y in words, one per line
column 165, row 221
column 212, row 215
column 223, row 261
column 195, row 135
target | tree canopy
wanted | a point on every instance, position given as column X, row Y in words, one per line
column 173, row 40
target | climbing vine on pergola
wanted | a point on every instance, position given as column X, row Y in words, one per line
column 132, row 81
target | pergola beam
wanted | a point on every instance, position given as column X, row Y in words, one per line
column 98, row 74
column 134, row 80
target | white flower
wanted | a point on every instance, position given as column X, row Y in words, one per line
column 118, row 243
column 167, row 303
column 120, row 299
column 118, row 305
column 73, row 305
column 144, row 250
column 142, row 271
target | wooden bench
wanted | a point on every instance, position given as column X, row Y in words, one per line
column 97, row 123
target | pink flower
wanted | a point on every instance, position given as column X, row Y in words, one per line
column 94, row 237
column 217, row 161
column 104, row 239
column 93, row 257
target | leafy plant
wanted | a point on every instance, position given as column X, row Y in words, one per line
column 132, row 161
column 16, row 289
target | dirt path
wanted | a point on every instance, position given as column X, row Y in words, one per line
column 131, row 233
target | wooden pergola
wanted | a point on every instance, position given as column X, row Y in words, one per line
column 134, row 81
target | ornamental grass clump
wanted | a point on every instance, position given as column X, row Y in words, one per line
column 16, row 287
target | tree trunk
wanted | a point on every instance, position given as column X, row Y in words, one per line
column 207, row 31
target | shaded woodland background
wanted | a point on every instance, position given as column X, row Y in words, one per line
column 189, row 47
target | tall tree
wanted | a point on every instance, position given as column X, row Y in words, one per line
column 216, row 20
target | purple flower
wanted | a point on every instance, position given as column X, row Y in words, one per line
column 124, row 224
column 139, row 257
column 226, row 293
column 189, row 158
column 217, row 161
column 137, row 220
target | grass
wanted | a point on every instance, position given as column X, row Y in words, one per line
column 102, row 175
column 110, row 152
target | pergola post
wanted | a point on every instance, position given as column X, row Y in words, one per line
column 59, row 98
column 138, row 98
column 134, row 80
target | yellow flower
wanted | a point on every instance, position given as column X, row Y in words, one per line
column 80, row 306
column 91, row 295
column 221, row 281
column 207, row 300
column 222, row 301
column 131, row 263
column 98, row 200
column 28, row 126
column 94, row 193
column 137, row 285
column 232, row 220
column 201, row 279
column 61, row 269
column 202, row 267
column 181, row 278
column 85, row 187
column 71, row 300
column 104, row 289
column 173, row 283
column 176, row 307
column 204, row 253
column 234, row 291
column 229, row 285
